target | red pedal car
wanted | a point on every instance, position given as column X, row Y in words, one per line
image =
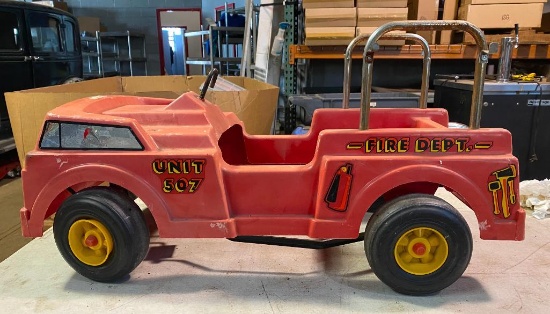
column 201, row 175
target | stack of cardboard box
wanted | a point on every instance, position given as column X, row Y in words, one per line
column 329, row 22
column 337, row 22
column 373, row 13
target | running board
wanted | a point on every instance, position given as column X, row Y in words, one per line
column 294, row 242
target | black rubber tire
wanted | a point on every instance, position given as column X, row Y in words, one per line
column 123, row 219
column 402, row 214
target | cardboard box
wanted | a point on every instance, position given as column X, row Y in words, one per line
column 450, row 8
column 307, row 4
column 90, row 24
column 502, row 15
column 466, row 2
column 327, row 17
column 369, row 30
column 330, row 36
column 381, row 3
column 255, row 106
column 424, row 10
column 373, row 17
column 54, row 4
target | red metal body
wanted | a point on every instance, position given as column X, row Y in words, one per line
column 201, row 175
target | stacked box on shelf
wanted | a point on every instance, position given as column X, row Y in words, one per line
column 381, row 3
column 491, row 14
column 372, row 14
column 386, row 42
column 330, row 26
column 494, row 15
column 424, row 10
column 311, row 4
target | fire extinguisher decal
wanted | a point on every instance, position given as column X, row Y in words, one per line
column 338, row 192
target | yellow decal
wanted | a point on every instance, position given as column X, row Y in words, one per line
column 504, row 183
column 483, row 145
column 419, row 145
column 191, row 173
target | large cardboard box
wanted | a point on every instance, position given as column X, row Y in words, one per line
column 328, row 17
column 54, row 4
column 320, row 36
column 465, row 2
column 90, row 24
column 373, row 17
column 308, row 4
column 255, row 106
column 381, row 3
column 424, row 10
column 502, row 15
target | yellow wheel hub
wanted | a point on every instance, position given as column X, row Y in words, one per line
column 421, row 251
column 90, row 242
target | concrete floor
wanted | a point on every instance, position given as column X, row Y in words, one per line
column 219, row 276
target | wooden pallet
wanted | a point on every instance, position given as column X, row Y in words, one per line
column 526, row 36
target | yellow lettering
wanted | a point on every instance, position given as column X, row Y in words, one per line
column 194, row 185
column 168, row 185
column 174, row 166
column 390, row 144
column 181, row 185
column 159, row 166
column 447, row 144
column 435, row 145
column 421, row 145
column 370, row 144
column 461, row 144
column 403, row 145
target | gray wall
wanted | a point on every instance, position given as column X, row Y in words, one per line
column 133, row 15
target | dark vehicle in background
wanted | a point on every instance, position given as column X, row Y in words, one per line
column 39, row 46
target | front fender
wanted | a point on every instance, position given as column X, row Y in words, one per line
column 35, row 214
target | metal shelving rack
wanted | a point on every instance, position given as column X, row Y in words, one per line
column 445, row 52
column 91, row 56
column 123, row 53
column 298, row 54
column 222, row 59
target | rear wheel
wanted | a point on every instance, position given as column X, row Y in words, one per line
column 418, row 244
column 101, row 233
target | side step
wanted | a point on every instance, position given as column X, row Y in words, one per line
column 294, row 242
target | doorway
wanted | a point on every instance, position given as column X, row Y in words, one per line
column 172, row 24
column 174, row 47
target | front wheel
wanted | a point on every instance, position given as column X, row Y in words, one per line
column 418, row 244
column 101, row 233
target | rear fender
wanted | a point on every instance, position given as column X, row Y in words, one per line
column 433, row 174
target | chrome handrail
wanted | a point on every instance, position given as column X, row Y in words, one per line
column 425, row 66
column 479, row 73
